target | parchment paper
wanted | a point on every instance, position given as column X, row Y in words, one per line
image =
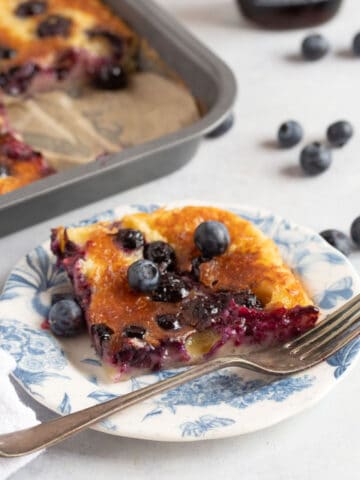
column 75, row 126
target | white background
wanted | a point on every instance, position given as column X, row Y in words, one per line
column 245, row 167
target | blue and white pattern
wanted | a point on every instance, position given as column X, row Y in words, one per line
column 66, row 375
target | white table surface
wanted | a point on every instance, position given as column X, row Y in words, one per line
column 244, row 167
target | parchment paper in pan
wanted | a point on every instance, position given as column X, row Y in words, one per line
column 74, row 127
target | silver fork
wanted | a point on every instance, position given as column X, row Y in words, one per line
column 311, row 348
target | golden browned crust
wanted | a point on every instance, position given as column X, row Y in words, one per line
column 252, row 261
column 20, row 33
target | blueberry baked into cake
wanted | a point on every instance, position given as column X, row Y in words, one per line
column 175, row 287
column 51, row 44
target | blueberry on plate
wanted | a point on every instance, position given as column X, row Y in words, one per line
column 223, row 128
column 339, row 133
column 355, row 231
column 290, row 134
column 356, row 45
column 134, row 331
column 168, row 321
column 315, row 158
column 212, row 238
column 130, row 239
column 66, row 318
column 161, row 253
column 110, row 76
column 143, row 276
column 314, row 47
column 338, row 240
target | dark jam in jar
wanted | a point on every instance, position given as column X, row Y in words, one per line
column 284, row 14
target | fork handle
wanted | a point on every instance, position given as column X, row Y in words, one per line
column 48, row 434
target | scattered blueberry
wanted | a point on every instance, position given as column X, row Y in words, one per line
column 161, row 253
column 110, row 76
column 339, row 133
column 356, row 45
column 102, row 331
column 315, row 158
column 6, row 53
column 134, row 331
column 143, row 276
column 315, row 47
column 212, row 238
column 170, row 289
column 30, row 8
column 130, row 239
column 290, row 134
column 66, row 318
column 54, row 25
column 355, row 231
column 4, row 171
column 168, row 322
column 338, row 240
column 223, row 128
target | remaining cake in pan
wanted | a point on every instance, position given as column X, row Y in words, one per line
column 175, row 287
column 45, row 41
column 19, row 163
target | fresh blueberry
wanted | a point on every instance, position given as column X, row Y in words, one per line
column 134, row 331
column 110, row 76
column 212, row 238
column 130, row 239
column 6, row 53
column 143, row 276
column 102, row 331
column 315, row 158
column 30, row 8
column 355, row 231
column 54, row 25
column 168, row 322
column 161, row 253
column 4, row 171
column 66, row 318
column 315, row 47
column 338, row 240
column 171, row 289
column 356, row 45
column 290, row 134
column 339, row 133
column 223, row 128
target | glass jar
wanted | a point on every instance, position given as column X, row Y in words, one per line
column 283, row 14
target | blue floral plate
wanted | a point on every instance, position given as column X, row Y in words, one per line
column 66, row 375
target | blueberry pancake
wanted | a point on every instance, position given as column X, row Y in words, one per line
column 46, row 41
column 175, row 287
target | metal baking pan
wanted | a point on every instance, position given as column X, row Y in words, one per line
column 211, row 82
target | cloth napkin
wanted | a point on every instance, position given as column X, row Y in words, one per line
column 14, row 415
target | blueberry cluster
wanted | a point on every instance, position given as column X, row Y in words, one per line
column 316, row 157
column 316, row 46
column 341, row 241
